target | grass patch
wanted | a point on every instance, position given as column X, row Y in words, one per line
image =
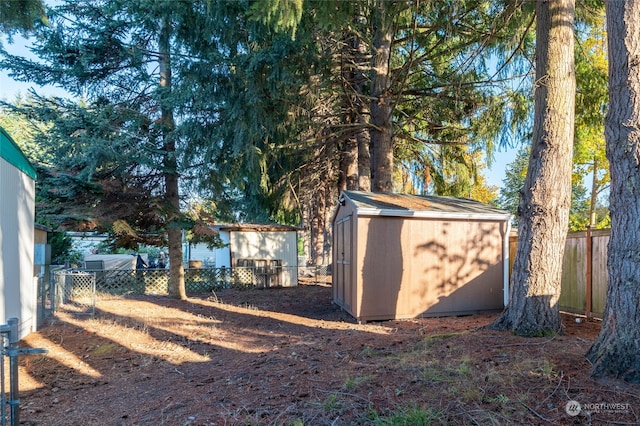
column 464, row 367
column 434, row 373
column 332, row 403
column 369, row 352
column 353, row 383
column 408, row 416
column 104, row 349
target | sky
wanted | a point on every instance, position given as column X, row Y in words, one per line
column 496, row 174
column 9, row 88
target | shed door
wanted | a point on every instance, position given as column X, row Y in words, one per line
column 343, row 287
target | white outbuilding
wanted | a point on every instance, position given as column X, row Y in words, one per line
column 269, row 248
column 18, row 279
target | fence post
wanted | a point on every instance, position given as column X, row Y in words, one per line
column 53, row 288
column 589, row 280
column 14, row 399
column 11, row 329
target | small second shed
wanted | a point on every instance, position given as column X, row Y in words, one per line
column 404, row 256
column 271, row 249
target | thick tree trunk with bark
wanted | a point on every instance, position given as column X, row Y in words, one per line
column 381, row 101
column 348, row 178
column 545, row 201
column 615, row 353
column 363, row 137
column 170, row 165
column 318, row 225
column 364, row 156
column 355, row 170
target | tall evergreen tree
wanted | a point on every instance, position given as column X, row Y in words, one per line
column 318, row 107
column 169, row 161
column 120, row 58
column 543, row 211
column 20, row 16
column 615, row 352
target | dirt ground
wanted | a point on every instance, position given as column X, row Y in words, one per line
column 289, row 357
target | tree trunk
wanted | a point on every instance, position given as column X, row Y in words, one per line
column 318, row 227
column 355, row 168
column 615, row 353
column 363, row 137
column 348, row 178
column 544, row 205
column 381, row 108
column 174, row 233
column 364, row 156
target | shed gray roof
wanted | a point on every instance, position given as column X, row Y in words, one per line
column 388, row 204
column 42, row 227
column 259, row 227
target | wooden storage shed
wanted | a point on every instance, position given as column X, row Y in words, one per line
column 404, row 256
column 18, row 281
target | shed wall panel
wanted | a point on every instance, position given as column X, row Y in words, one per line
column 18, row 286
column 344, row 292
column 40, row 236
column 268, row 245
column 425, row 267
column 380, row 261
column 218, row 257
column 344, row 273
column 265, row 245
column 204, row 254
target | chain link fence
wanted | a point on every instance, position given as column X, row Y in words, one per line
column 315, row 274
column 76, row 291
column 45, row 297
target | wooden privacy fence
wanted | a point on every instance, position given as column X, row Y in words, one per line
column 584, row 271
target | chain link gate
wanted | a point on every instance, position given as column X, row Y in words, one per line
column 75, row 291
column 10, row 337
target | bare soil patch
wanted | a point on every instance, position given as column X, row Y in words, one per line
column 289, row 357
